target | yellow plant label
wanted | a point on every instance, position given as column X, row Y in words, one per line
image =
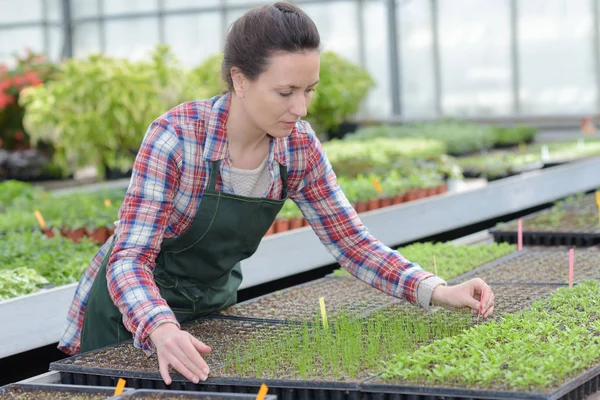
column 522, row 146
column 323, row 312
column 434, row 266
column 377, row 185
column 107, row 202
column 262, row 392
column 40, row 219
column 120, row 386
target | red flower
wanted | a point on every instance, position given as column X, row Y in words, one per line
column 19, row 136
column 6, row 100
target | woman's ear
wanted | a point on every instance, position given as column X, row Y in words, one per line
column 238, row 79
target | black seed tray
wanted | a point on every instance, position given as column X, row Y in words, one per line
column 548, row 238
column 577, row 388
column 546, row 266
column 221, row 334
column 179, row 394
column 283, row 390
column 68, row 390
column 579, row 238
column 301, row 303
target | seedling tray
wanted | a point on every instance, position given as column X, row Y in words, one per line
column 577, row 388
column 301, row 303
column 103, row 367
column 584, row 235
column 55, row 392
column 183, row 395
column 537, row 267
column 533, row 238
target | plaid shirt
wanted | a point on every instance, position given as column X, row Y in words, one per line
column 169, row 176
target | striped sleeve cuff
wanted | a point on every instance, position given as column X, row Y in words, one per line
column 425, row 290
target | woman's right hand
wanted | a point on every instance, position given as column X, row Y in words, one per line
column 181, row 350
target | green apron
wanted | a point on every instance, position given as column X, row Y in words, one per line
column 197, row 272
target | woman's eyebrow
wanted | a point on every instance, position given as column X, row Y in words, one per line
column 296, row 87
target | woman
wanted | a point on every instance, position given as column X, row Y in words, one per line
column 208, row 181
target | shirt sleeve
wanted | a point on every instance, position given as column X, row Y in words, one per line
column 143, row 219
column 339, row 228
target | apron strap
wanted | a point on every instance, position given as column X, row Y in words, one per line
column 284, row 175
column 216, row 167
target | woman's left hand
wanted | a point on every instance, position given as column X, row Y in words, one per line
column 474, row 293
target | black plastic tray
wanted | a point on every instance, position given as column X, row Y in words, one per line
column 577, row 388
column 532, row 238
column 144, row 393
column 546, row 238
column 106, row 392
column 282, row 389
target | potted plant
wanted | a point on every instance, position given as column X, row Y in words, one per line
column 98, row 109
column 342, row 88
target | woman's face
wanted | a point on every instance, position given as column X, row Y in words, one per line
column 280, row 96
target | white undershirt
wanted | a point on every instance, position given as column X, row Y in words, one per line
column 251, row 182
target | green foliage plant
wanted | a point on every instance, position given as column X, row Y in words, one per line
column 57, row 259
column 14, row 192
column 98, row 109
column 514, row 135
column 19, row 281
column 75, row 210
column 459, row 137
column 451, row 260
column 342, row 87
column 208, row 75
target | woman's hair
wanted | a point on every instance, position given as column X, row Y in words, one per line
column 261, row 32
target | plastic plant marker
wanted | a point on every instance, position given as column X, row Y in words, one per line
column 323, row 311
column 545, row 153
column 262, row 392
column 434, row 266
column 40, row 219
column 107, row 202
column 120, row 386
column 571, row 266
column 598, row 204
column 580, row 144
column 520, row 235
column 522, row 146
column 377, row 185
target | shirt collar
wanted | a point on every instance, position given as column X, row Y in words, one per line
column 215, row 147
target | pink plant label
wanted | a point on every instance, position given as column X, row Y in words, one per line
column 571, row 266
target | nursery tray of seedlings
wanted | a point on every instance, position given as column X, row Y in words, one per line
column 104, row 366
column 541, row 267
column 184, row 395
column 577, row 388
column 301, row 303
column 572, row 222
column 18, row 391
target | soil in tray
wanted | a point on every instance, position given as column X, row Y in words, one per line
column 221, row 335
column 300, row 303
column 543, row 266
column 513, row 298
column 21, row 394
